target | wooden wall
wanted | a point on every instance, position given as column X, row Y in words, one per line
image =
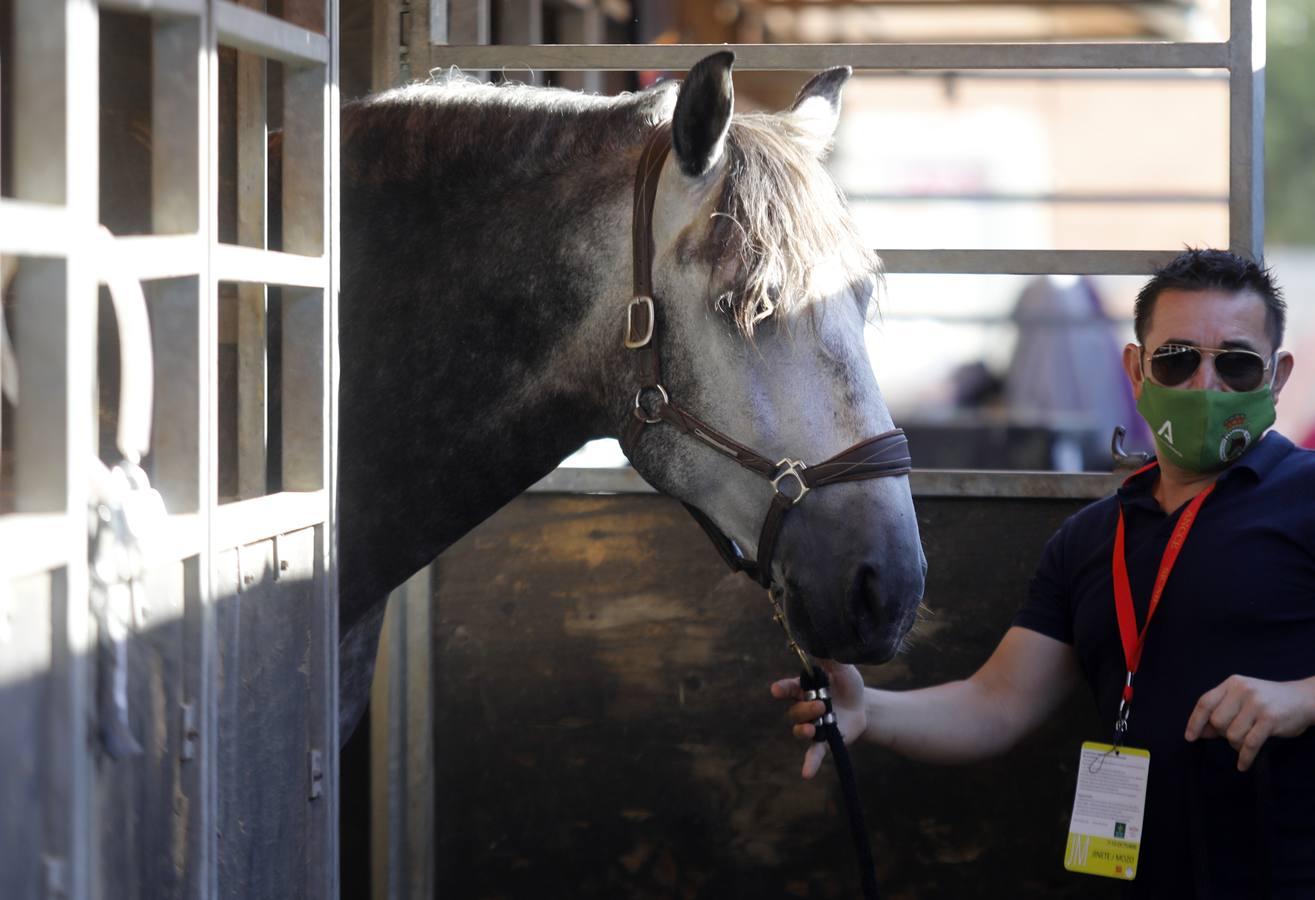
column 603, row 727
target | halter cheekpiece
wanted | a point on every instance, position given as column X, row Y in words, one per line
column 882, row 456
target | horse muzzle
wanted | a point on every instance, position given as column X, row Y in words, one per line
column 857, row 613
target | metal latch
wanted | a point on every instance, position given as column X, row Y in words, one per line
column 316, row 774
column 56, row 871
column 190, row 732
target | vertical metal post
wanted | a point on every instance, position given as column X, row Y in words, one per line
column 252, row 181
column 178, row 154
column 582, row 26
column 176, row 124
column 328, row 544
column 417, row 40
column 594, row 28
column 81, row 61
column 202, row 615
column 469, row 22
column 402, row 748
column 386, row 31
column 520, row 22
column 1246, row 127
column 39, row 325
column 305, row 225
column 39, row 99
column 439, row 13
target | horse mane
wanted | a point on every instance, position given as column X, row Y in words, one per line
column 507, row 131
column 786, row 222
column 779, row 216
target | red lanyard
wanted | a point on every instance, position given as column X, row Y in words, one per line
column 1132, row 641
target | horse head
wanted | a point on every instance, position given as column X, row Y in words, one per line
column 761, row 288
column 479, row 342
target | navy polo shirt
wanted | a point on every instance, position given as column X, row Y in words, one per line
column 1240, row 600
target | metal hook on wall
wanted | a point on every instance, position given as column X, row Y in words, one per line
column 1122, row 458
column 127, row 514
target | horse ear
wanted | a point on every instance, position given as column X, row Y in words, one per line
column 817, row 108
column 703, row 114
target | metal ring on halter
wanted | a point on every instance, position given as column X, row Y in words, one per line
column 642, row 414
column 793, row 468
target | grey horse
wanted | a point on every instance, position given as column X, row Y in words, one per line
column 486, row 276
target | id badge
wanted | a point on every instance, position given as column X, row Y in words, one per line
column 1105, row 832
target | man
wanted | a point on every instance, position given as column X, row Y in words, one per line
column 1224, row 693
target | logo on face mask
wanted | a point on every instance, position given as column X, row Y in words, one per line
column 1166, row 432
column 1236, row 438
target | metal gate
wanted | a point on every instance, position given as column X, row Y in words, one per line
column 1242, row 56
column 221, row 662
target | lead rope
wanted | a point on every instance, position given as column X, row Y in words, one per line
column 817, row 686
column 641, row 323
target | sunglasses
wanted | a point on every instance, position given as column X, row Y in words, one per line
column 1241, row 370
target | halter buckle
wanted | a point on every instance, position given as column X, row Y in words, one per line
column 791, row 468
column 638, row 343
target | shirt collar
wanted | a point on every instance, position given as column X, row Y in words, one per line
column 1259, row 460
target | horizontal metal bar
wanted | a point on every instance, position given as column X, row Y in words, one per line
column 152, row 256
column 846, row 6
column 924, row 483
column 182, row 538
column 32, row 543
column 1057, row 197
column 1025, row 262
column 35, row 543
column 247, row 521
column 1006, row 320
column 156, row 7
column 624, row 480
column 1018, row 485
column 761, row 57
column 236, row 263
column 1190, row 75
column 268, row 36
column 34, row 229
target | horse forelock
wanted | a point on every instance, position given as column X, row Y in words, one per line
column 785, row 223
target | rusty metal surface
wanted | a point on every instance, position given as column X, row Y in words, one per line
column 602, row 721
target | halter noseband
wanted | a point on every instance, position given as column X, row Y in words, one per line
column 876, row 457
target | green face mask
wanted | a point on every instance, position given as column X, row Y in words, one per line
column 1201, row 431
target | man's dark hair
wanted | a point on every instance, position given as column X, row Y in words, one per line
column 1204, row 270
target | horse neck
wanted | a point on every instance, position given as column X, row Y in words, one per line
column 471, row 350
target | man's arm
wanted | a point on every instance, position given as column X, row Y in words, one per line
column 1025, row 679
column 1018, row 688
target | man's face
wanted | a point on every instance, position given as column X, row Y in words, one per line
column 1211, row 318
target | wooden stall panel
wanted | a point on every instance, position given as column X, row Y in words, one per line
column 27, row 697
column 602, row 719
column 267, row 674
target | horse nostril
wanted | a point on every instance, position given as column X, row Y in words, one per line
column 865, row 602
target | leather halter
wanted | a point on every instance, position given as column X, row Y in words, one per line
column 876, row 457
